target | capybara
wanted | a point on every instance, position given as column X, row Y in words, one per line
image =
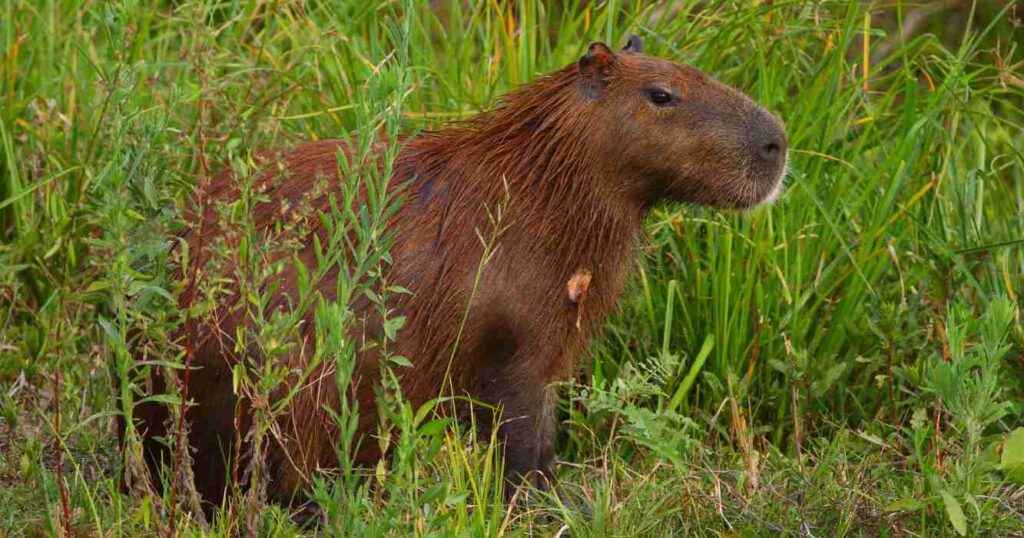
column 575, row 159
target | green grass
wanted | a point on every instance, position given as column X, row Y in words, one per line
column 846, row 362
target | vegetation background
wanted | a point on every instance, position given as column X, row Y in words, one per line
column 846, row 362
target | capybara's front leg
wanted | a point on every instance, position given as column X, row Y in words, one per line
column 527, row 435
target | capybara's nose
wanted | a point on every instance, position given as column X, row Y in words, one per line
column 768, row 138
column 770, row 152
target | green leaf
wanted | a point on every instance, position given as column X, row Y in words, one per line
column 698, row 362
column 108, row 328
column 434, row 427
column 780, row 366
column 955, row 513
column 166, row 399
column 906, row 504
column 424, row 410
column 874, row 439
column 1012, row 460
column 97, row 286
column 400, row 361
column 434, row 493
column 392, row 326
column 399, row 289
column 454, row 499
column 822, row 385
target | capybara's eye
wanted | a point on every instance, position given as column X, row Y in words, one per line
column 660, row 97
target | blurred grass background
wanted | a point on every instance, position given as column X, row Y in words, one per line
column 847, row 361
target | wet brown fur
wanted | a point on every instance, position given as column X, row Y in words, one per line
column 579, row 155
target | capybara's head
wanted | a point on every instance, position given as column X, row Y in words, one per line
column 677, row 133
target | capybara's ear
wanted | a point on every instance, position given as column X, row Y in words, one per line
column 594, row 67
column 634, row 44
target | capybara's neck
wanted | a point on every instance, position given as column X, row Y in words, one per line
column 536, row 156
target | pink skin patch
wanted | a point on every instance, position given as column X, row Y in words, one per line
column 577, row 287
